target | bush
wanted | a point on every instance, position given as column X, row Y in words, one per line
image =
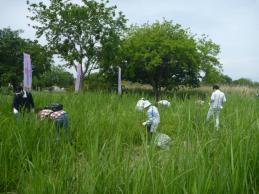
column 57, row 76
column 96, row 82
column 6, row 90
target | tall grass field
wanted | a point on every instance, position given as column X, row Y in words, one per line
column 106, row 150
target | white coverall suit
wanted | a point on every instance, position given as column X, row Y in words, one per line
column 153, row 119
column 216, row 101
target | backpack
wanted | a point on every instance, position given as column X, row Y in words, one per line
column 55, row 107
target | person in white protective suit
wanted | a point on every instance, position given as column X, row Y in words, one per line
column 140, row 105
column 160, row 140
column 216, row 101
column 164, row 103
column 153, row 118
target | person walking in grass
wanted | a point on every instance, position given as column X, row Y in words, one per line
column 216, row 101
column 153, row 119
column 22, row 101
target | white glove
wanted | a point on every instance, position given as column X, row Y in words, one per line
column 144, row 123
column 15, row 111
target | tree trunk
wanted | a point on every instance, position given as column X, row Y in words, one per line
column 79, row 78
column 157, row 92
column 81, row 82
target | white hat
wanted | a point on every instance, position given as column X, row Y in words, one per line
column 146, row 104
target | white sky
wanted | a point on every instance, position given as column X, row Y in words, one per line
column 233, row 24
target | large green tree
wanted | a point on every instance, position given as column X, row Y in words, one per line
column 87, row 33
column 162, row 54
column 12, row 47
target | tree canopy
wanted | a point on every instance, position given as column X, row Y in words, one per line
column 87, row 33
column 161, row 54
column 243, row 82
column 210, row 64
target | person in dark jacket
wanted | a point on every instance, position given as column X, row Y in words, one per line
column 22, row 101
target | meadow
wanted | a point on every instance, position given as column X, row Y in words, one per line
column 106, row 151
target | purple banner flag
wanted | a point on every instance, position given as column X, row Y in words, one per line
column 78, row 77
column 27, row 71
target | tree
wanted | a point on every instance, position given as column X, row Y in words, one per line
column 212, row 76
column 243, row 82
column 56, row 76
column 163, row 55
column 210, row 64
column 12, row 47
column 225, row 79
column 79, row 33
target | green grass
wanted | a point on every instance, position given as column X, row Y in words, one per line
column 107, row 152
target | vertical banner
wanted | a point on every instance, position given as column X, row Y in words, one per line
column 78, row 77
column 119, row 80
column 27, row 71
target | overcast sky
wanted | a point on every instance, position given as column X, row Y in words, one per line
column 233, row 24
